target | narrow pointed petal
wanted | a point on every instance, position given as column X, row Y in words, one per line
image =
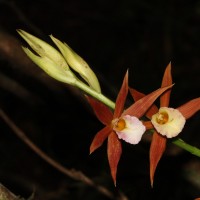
column 157, row 149
column 152, row 110
column 121, row 97
column 138, row 95
column 141, row 106
column 103, row 113
column 148, row 125
column 100, row 138
column 190, row 108
column 167, row 80
column 114, row 153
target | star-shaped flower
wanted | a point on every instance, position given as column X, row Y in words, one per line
column 121, row 124
column 166, row 121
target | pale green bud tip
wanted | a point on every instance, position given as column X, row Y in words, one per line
column 78, row 64
column 44, row 49
column 48, row 58
column 51, row 68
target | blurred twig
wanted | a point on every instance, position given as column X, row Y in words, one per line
column 17, row 89
column 72, row 173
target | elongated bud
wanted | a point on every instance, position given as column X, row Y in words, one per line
column 48, row 58
column 51, row 68
column 78, row 64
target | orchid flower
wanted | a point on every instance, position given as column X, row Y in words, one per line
column 121, row 125
column 166, row 121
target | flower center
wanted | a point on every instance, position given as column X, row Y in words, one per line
column 162, row 118
column 119, row 125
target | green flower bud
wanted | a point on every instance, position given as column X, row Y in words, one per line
column 48, row 58
column 78, row 64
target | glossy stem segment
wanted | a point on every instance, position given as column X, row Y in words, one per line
column 193, row 150
column 95, row 94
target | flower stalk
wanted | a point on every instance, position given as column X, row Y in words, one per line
column 180, row 143
column 95, row 94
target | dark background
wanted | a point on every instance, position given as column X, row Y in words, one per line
column 112, row 36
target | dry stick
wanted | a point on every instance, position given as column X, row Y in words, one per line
column 74, row 174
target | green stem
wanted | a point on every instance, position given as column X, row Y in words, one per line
column 193, row 150
column 95, row 94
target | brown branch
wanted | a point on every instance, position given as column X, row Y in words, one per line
column 74, row 174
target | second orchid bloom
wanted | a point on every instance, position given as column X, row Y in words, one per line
column 166, row 122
